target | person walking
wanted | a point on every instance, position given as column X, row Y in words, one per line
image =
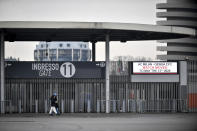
column 57, row 108
column 53, row 104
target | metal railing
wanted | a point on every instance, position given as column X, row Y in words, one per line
column 168, row 105
column 88, row 95
column 7, row 106
column 139, row 106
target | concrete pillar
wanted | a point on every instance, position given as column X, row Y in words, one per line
column 93, row 51
column 2, row 76
column 107, row 86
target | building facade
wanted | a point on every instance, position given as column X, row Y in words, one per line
column 62, row 51
column 181, row 13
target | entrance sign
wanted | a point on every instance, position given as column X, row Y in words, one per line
column 68, row 70
column 154, row 67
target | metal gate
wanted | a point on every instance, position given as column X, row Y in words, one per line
column 88, row 95
column 74, row 95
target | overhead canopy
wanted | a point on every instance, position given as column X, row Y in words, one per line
column 88, row 31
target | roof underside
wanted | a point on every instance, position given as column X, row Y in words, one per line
column 89, row 31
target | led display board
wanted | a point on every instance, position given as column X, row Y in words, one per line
column 154, row 67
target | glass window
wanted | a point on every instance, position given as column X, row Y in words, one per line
column 43, row 54
column 68, row 45
column 65, row 54
column 42, row 46
column 52, row 54
column 60, row 45
column 76, row 55
column 84, row 55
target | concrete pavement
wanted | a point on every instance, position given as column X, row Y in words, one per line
column 99, row 122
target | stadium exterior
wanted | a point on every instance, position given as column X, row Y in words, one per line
column 62, row 51
column 182, row 13
column 129, row 92
column 93, row 86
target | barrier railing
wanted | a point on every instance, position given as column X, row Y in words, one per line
column 131, row 105
column 171, row 105
column 7, row 106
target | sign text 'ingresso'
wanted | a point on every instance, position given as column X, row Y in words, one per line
column 45, row 68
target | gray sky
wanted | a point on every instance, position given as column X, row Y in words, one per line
column 126, row 11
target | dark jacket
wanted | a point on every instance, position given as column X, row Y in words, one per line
column 53, row 100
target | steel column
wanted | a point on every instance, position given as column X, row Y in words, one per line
column 93, row 51
column 107, row 82
column 2, row 77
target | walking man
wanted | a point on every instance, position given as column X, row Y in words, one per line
column 53, row 104
column 57, row 108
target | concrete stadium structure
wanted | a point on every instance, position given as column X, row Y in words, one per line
column 62, row 51
column 27, row 95
column 182, row 13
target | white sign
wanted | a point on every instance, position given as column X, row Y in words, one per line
column 154, row 67
column 67, row 69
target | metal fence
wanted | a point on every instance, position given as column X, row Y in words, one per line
column 192, row 86
column 7, row 106
column 168, row 105
column 88, row 95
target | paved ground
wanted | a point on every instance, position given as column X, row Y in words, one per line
column 99, row 122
